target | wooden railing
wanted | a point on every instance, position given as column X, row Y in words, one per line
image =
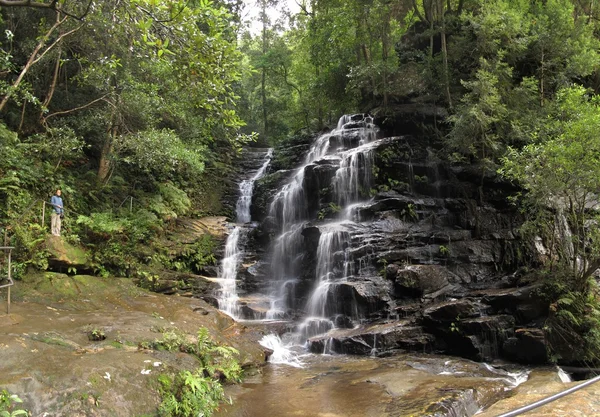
column 8, row 251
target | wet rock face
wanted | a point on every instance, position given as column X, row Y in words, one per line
column 373, row 339
column 416, row 281
column 527, row 346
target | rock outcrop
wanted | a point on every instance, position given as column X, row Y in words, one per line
column 429, row 258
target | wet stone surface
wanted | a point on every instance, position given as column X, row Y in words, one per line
column 404, row 385
column 49, row 361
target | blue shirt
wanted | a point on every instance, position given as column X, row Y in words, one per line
column 57, row 201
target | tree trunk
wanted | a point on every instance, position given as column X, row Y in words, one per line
column 384, row 58
column 319, row 100
column 445, row 53
column 52, row 88
column 263, row 81
column 105, row 164
column 431, row 26
column 542, row 80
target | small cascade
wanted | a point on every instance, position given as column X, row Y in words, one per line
column 228, row 297
column 333, row 267
column 354, row 177
column 242, row 209
column 281, row 353
column 228, row 301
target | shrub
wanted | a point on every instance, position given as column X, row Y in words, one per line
column 199, row 392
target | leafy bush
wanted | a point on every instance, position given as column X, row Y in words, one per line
column 170, row 202
column 190, row 394
column 573, row 324
column 199, row 392
column 161, row 153
column 103, row 225
column 30, row 249
column 193, row 258
column 8, row 403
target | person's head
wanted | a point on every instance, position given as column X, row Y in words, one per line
column 58, row 193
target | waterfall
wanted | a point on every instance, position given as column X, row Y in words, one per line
column 281, row 353
column 228, row 297
column 331, row 300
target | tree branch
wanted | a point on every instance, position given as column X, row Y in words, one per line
column 53, row 5
column 55, row 42
column 32, row 60
column 59, row 113
column 416, row 10
column 156, row 19
column 305, row 10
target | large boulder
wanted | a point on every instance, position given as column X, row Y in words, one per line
column 64, row 257
column 523, row 303
column 451, row 311
column 428, row 281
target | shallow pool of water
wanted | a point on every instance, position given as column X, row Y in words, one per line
column 403, row 385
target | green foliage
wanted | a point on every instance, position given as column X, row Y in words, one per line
column 190, row 394
column 170, row 202
column 528, row 51
column 161, row 153
column 560, row 171
column 475, row 122
column 199, row 392
column 455, row 325
column 194, row 257
column 30, row 248
column 8, row 402
column 95, row 334
column 573, row 324
column 103, row 224
column 409, row 213
column 135, row 107
column 330, row 210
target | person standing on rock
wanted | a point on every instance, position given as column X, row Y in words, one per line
column 57, row 213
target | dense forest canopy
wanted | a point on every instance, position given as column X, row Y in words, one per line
column 151, row 101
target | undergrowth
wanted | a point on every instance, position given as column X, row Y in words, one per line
column 573, row 324
column 197, row 392
column 8, row 405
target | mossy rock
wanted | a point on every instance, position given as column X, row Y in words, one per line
column 64, row 256
column 51, row 288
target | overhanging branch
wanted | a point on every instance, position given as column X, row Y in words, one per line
column 52, row 5
column 61, row 113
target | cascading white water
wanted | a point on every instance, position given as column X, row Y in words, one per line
column 242, row 207
column 228, row 296
column 349, row 143
column 228, row 300
column 334, row 266
column 354, row 177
